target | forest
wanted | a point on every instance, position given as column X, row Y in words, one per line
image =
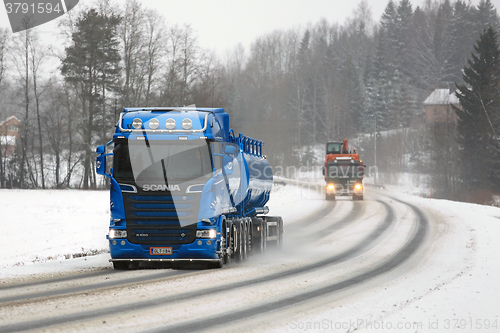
column 365, row 79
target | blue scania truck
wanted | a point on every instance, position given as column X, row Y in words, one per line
column 184, row 187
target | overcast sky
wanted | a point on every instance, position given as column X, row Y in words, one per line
column 222, row 24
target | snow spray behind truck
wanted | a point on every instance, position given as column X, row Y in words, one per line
column 184, row 188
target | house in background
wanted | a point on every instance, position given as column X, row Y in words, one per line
column 9, row 133
column 438, row 107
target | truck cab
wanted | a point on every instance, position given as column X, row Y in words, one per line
column 343, row 171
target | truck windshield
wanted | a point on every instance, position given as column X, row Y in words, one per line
column 333, row 148
column 162, row 160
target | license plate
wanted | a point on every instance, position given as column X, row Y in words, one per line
column 155, row 251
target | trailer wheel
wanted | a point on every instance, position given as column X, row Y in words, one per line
column 280, row 234
column 120, row 265
column 249, row 239
column 244, row 244
column 258, row 236
column 239, row 253
column 275, row 232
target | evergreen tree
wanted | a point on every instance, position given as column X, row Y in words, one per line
column 463, row 35
column 486, row 16
column 479, row 115
column 403, row 25
column 91, row 64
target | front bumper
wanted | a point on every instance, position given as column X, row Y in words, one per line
column 123, row 250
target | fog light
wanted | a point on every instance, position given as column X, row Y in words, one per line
column 113, row 242
column 122, row 242
column 209, row 242
column 200, row 242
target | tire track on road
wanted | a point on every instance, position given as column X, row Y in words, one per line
column 361, row 247
column 413, row 244
column 312, row 218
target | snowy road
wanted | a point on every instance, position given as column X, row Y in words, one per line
column 374, row 265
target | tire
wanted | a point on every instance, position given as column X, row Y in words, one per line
column 239, row 251
column 223, row 255
column 357, row 197
column 258, row 239
column 276, row 243
column 120, row 265
column 224, row 245
column 245, row 246
column 280, row 237
column 233, row 239
column 330, row 197
column 249, row 239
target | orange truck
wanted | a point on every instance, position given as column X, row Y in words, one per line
column 343, row 172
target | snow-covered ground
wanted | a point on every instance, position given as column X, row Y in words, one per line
column 455, row 286
column 57, row 231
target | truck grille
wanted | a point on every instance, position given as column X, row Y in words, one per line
column 153, row 219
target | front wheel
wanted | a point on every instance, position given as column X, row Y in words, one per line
column 357, row 197
column 330, row 197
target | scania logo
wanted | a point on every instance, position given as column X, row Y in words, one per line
column 154, row 187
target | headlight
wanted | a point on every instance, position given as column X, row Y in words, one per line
column 358, row 187
column 116, row 233
column 330, row 187
column 208, row 233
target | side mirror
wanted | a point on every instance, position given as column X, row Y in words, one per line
column 100, row 149
column 101, row 165
column 101, row 161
